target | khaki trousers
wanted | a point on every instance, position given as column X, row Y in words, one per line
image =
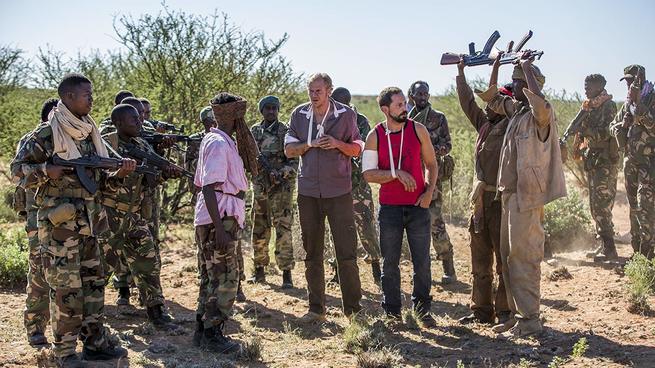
column 522, row 250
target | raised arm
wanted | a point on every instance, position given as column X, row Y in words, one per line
column 473, row 112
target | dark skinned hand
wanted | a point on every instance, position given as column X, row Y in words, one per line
column 128, row 166
column 222, row 238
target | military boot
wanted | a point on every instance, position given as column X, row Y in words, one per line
column 71, row 361
column 377, row 273
column 259, row 277
column 108, row 353
column 37, row 339
column 123, row 296
column 200, row 329
column 449, row 275
column 608, row 252
column 287, row 281
column 214, row 340
column 158, row 317
column 241, row 297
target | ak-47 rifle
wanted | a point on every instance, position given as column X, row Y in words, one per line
column 156, row 138
column 168, row 127
column 268, row 173
column 153, row 159
column 574, row 128
column 489, row 54
column 95, row 162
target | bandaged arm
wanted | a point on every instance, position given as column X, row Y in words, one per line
column 370, row 170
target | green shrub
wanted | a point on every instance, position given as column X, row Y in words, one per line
column 641, row 282
column 13, row 258
column 7, row 213
column 567, row 221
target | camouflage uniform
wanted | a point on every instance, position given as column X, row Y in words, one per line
column 122, row 278
column 37, row 312
column 638, row 140
column 272, row 202
column 69, row 219
column 600, row 159
column 129, row 238
column 218, row 273
column 437, row 125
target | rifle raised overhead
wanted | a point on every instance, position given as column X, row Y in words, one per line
column 488, row 54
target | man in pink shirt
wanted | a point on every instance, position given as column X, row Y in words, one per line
column 219, row 216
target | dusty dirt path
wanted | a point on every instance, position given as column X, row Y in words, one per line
column 593, row 304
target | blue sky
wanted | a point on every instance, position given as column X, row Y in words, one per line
column 368, row 45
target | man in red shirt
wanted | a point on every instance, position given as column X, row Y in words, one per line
column 395, row 155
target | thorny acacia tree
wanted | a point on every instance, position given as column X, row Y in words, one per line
column 179, row 61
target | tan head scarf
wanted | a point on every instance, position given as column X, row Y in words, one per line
column 236, row 111
column 68, row 128
column 518, row 74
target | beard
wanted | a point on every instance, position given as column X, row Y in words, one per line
column 402, row 118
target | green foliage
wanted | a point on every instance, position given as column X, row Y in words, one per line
column 381, row 358
column 360, row 336
column 13, row 258
column 557, row 362
column 566, row 220
column 411, row 318
column 7, row 213
column 641, row 282
column 580, row 348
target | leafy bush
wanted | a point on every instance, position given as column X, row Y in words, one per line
column 567, row 221
column 13, row 258
column 641, row 282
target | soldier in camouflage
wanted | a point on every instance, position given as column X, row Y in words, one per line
column 436, row 123
column 634, row 129
column 37, row 313
column 150, row 209
column 129, row 238
column 272, row 195
column 600, row 156
column 362, row 200
column 69, row 220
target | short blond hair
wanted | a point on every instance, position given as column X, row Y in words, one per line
column 322, row 76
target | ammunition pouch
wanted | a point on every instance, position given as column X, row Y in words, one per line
column 50, row 191
column 63, row 213
column 120, row 206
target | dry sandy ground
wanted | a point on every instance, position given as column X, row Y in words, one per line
column 592, row 304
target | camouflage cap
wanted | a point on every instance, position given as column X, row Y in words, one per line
column 518, row 74
column 631, row 71
column 207, row 114
column 268, row 100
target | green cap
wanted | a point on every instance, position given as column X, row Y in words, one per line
column 207, row 114
column 268, row 100
column 631, row 71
